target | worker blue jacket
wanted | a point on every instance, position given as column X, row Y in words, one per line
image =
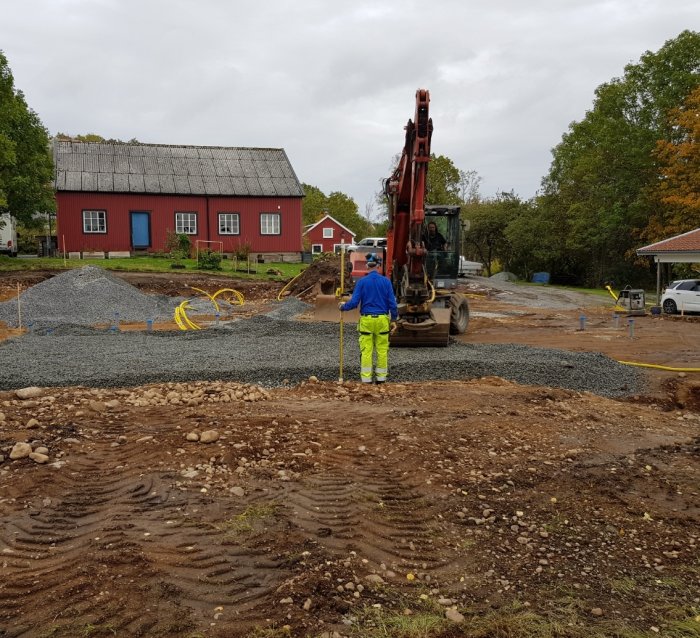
column 375, row 296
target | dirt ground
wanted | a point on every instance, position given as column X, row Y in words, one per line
column 470, row 508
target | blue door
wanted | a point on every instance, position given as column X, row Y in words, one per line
column 140, row 230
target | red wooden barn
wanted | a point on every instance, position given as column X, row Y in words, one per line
column 326, row 234
column 114, row 197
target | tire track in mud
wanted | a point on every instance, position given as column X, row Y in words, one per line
column 370, row 508
column 59, row 561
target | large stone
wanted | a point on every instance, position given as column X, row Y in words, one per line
column 38, row 458
column 20, row 450
column 29, row 393
column 209, row 436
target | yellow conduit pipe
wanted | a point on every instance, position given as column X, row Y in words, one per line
column 289, row 283
column 211, row 298
column 658, row 367
column 183, row 315
column 238, row 295
column 178, row 319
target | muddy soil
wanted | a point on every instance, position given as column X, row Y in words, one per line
column 345, row 510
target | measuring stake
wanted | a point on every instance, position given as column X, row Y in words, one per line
column 19, row 309
column 342, row 286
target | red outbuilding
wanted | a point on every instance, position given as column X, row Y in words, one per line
column 125, row 198
column 327, row 234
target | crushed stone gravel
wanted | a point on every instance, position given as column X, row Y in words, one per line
column 63, row 348
column 85, row 296
column 272, row 352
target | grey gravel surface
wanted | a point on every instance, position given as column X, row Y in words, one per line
column 272, row 351
column 520, row 294
column 85, row 296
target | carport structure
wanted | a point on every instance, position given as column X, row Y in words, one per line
column 684, row 248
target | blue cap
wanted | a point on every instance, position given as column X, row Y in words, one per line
column 372, row 259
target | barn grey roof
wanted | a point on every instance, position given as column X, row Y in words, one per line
column 106, row 167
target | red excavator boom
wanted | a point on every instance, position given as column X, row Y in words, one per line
column 405, row 190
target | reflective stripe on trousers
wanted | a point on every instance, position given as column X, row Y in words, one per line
column 374, row 335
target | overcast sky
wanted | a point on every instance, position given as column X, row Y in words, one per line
column 333, row 82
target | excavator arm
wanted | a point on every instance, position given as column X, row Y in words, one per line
column 405, row 192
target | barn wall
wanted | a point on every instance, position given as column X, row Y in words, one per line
column 162, row 209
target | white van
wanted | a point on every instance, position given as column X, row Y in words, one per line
column 8, row 235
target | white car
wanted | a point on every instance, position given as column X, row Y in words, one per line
column 368, row 242
column 682, row 295
column 467, row 267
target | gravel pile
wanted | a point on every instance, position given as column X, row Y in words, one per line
column 272, row 351
column 85, row 296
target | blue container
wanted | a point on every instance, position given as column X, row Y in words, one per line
column 540, row 278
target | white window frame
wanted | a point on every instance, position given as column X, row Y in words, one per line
column 328, row 233
column 316, row 249
column 270, row 224
column 95, row 222
column 184, row 225
column 229, row 219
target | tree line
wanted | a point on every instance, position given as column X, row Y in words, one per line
column 626, row 175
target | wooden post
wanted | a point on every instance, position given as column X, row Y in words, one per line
column 19, row 308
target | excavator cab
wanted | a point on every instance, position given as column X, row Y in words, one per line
column 441, row 234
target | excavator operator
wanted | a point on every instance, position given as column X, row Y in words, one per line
column 433, row 239
column 375, row 296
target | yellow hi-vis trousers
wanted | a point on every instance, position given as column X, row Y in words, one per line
column 374, row 335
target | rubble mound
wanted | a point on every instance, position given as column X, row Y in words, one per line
column 85, row 296
column 322, row 277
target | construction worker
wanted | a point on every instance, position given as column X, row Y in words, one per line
column 378, row 312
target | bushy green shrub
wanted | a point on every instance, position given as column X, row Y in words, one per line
column 178, row 245
column 209, row 260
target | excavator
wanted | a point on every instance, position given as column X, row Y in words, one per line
column 423, row 272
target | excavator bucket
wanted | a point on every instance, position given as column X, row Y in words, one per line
column 433, row 332
column 326, row 309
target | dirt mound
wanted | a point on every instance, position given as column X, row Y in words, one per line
column 321, row 277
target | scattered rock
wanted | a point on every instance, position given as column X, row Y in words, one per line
column 454, row 616
column 596, row 611
column 20, row 450
column 192, row 436
column 38, row 458
column 29, row 393
column 209, row 436
column 237, row 491
column 32, row 423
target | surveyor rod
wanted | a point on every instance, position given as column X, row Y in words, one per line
column 340, row 290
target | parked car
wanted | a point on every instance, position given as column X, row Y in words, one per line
column 467, row 267
column 368, row 242
column 681, row 295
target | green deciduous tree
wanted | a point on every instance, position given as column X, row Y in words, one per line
column 444, row 182
column 601, row 172
column 489, row 221
column 26, row 167
column 677, row 190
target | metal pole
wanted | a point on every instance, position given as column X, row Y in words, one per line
column 340, row 291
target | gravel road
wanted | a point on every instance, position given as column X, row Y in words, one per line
column 533, row 296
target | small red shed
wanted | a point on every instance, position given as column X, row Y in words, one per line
column 124, row 198
column 328, row 233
